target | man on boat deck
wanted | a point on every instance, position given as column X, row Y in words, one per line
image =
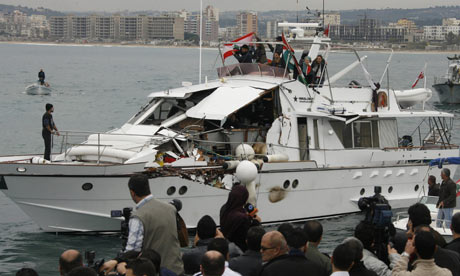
column 447, row 199
column 48, row 128
column 41, row 77
column 244, row 55
column 433, row 188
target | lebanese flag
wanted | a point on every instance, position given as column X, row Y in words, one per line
column 326, row 32
column 228, row 48
column 420, row 76
column 289, row 48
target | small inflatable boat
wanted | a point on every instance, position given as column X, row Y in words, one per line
column 38, row 89
column 411, row 97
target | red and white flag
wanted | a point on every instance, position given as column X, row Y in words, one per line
column 326, row 31
column 420, row 76
column 228, row 48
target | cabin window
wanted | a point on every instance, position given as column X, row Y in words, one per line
column 359, row 134
column 315, row 131
column 303, row 138
column 159, row 114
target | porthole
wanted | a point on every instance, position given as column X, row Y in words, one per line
column 295, row 183
column 362, row 191
column 87, row 186
column 390, row 189
column 20, row 169
column 171, row 190
column 286, row 184
column 416, row 188
column 182, row 190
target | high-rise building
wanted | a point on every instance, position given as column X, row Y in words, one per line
column 246, row 22
column 408, row 24
column 212, row 13
column 210, row 27
column 450, row 22
column 272, row 29
column 61, row 27
column 133, row 27
column 164, row 27
column 331, row 19
column 439, row 33
column 81, row 27
column 104, row 27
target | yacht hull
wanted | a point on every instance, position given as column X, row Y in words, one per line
column 448, row 93
column 80, row 199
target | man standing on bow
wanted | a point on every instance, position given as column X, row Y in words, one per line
column 48, row 128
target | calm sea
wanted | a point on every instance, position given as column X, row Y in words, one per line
column 97, row 88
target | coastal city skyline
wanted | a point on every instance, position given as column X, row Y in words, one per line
column 118, row 5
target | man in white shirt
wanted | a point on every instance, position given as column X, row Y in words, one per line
column 342, row 260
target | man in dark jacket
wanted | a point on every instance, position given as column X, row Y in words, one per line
column 433, row 188
column 274, row 249
column 205, row 232
column 314, row 231
column 48, row 128
column 41, row 77
column 244, row 55
column 356, row 248
column 454, row 245
column 250, row 263
column 447, row 199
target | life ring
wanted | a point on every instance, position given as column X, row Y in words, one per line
column 382, row 99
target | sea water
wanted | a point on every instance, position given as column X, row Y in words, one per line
column 99, row 88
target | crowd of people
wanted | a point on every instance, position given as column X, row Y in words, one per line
column 242, row 247
column 312, row 72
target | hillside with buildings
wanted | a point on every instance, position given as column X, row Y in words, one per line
column 434, row 28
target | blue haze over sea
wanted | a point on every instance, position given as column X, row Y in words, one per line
column 97, row 88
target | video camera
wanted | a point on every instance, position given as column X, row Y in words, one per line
column 90, row 257
column 378, row 210
column 124, row 227
column 379, row 214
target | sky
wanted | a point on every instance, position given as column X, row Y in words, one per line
column 224, row 5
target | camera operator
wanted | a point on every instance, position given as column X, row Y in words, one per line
column 365, row 232
column 152, row 225
column 375, row 232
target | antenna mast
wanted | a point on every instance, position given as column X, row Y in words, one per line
column 201, row 35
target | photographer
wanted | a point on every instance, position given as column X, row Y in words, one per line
column 364, row 232
column 152, row 226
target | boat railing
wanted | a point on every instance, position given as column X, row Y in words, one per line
column 72, row 138
column 255, row 69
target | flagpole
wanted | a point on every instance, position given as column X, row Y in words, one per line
column 201, row 35
column 424, row 76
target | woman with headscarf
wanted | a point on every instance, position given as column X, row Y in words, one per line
column 234, row 219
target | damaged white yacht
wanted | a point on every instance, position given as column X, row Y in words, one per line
column 302, row 151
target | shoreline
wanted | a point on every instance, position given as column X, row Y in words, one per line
column 134, row 45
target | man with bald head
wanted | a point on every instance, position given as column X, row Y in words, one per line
column 274, row 251
column 212, row 264
column 69, row 260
